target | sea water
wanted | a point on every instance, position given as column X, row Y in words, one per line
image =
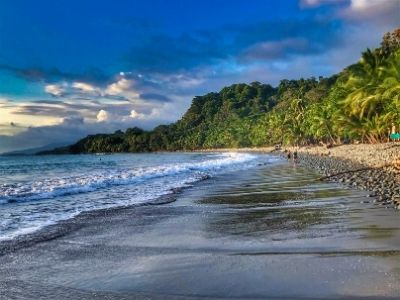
column 36, row 191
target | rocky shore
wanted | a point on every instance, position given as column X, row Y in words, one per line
column 374, row 168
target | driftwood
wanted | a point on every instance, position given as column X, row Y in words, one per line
column 354, row 171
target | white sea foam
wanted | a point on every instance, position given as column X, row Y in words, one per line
column 84, row 183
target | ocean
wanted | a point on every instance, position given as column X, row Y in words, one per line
column 36, row 191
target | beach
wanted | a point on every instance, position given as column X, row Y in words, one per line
column 371, row 167
column 272, row 231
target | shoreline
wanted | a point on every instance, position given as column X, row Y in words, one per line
column 371, row 167
column 378, row 165
column 65, row 227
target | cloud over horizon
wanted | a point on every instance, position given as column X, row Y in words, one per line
column 141, row 64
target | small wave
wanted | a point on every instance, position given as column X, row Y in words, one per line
column 56, row 187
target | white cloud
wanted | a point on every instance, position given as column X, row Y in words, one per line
column 121, row 87
column 380, row 10
column 85, row 87
column 135, row 115
column 13, row 112
column 376, row 11
column 102, row 116
column 55, row 90
column 367, row 4
column 117, row 88
column 315, row 3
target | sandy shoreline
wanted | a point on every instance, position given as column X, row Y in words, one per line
column 64, row 227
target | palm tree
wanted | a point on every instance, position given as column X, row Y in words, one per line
column 390, row 86
column 362, row 100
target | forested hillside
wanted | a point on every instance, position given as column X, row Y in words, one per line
column 360, row 103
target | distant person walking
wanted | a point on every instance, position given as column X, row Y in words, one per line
column 289, row 155
column 295, row 157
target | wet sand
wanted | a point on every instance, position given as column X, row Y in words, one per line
column 273, row 232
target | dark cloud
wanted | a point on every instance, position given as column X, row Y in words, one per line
column 277, row 50
column 50, row 111
column 155, row 97
column 54, row 108
column 45, row 101
column 52, row 75
column 165, row 54
column 73, row 121
column 188, row 52
column 157, row 52
column 118, row 98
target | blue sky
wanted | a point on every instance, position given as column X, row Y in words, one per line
column 70, row 68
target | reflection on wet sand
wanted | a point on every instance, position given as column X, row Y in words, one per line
column 292, row 204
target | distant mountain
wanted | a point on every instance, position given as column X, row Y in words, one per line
column 32, row 151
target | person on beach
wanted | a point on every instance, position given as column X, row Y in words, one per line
column 394, row 135
column 295, row 157
column 289, row 155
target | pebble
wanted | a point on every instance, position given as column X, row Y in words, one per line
column 381, row 182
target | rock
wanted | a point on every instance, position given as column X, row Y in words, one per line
column 381, row 182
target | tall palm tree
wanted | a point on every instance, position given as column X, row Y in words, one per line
column 362, row 100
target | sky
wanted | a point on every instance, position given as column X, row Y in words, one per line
column 72, row 68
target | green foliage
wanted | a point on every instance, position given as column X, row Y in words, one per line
column 371, row 99
column 360, row 103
